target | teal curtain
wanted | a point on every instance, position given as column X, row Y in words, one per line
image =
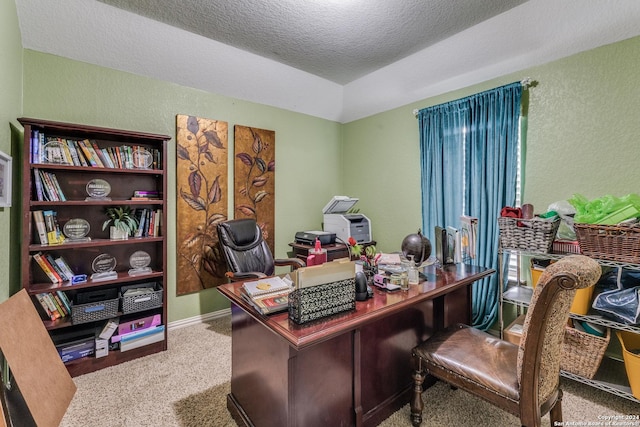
column 469, row 155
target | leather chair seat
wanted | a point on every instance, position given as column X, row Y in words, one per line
column 475, row 355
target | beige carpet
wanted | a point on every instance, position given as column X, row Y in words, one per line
column 187, row 386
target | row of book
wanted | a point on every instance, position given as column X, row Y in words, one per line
column 47, row 187
column 56, row 305
column 56, row 269
column 456, row 245
column 149, row 222
column 47, row 227
column 85, row 152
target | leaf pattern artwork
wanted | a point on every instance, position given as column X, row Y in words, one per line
column 202, row 170
column 254, row 178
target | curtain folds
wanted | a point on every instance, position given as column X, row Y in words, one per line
column 468, row 151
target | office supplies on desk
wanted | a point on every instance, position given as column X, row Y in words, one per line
column 268, row 285
column 317, row 255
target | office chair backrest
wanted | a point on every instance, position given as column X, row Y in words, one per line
column 244, row 248
column 543, row 330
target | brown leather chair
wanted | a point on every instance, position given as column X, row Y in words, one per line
column 522, row 380
column 246, row 253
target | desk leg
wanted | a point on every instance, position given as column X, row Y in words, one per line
column 357, row 377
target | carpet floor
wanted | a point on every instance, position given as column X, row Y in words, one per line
column 186, row 386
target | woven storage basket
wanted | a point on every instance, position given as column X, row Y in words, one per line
column 527, row 234
column 93, row 311
column 139, row 302
column 582, row 352
column 610, row 242
column 315, row 302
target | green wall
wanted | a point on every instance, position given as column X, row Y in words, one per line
column 10, row 108
column 582, row 126
column 583, row 135
column 64, row 90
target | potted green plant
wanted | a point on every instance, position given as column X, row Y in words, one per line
column 122, row 222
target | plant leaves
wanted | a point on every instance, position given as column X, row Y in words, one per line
column 215, row 193
column 257, row 143
column 261, row 165
column 247, row 210
column 194, row 203
column 195, row 183
column 213, row 139
column 259, row 181
column 260, row 195
column 183, row 153
column 192, row 124
column 215, row 219
column 272, row 166
column 245, row 158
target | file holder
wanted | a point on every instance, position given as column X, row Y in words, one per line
column 315, row 302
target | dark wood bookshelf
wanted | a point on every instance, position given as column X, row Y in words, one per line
column 73, row 178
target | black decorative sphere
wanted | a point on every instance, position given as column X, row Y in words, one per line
column 416, row 245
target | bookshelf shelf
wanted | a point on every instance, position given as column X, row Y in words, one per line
column 60, row 169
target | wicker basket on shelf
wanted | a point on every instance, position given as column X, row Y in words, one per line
column 582, row 352
column 532, row 235
column 619, row 243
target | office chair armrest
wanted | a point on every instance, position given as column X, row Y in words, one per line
column 294, row 263
column 245, row 275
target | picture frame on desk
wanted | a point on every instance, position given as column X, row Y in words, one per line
column 5, row 180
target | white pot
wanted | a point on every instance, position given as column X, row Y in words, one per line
column 118, row 233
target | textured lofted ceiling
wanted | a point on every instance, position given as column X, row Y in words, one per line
column 339, row 40
column 336, row 59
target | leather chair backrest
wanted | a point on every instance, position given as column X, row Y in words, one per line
column 544, row 325
column 244, row 248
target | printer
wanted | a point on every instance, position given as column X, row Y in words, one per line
column 343, row 224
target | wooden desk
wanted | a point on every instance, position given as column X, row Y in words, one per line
column 334, row 251
column 350, row 369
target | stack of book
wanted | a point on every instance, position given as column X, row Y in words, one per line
column 268, row 295
column 47, row 187
column 139, row 332
column 55, row 305
column 56, row 268
column 149, row 222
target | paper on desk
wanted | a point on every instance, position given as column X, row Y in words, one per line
column 324, row 273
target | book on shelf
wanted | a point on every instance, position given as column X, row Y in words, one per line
column 41, row 228
column 46, row 268
column 47, row 306
column 64, row 266
column 144, row 337
column 52, row 262
column 62, row 309
column 268, row 304
column 267, row 286
column 54, row 234
column 65, row 300
column 468, row 236
column 51, row 186
column 37, row 179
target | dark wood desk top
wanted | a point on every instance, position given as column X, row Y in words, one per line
column 439, row 282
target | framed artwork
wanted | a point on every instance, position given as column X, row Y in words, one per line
column 254, row 178
column 5, row 180
column 201, row 174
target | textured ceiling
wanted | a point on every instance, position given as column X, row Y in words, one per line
column 339, row 40
column 339, row 60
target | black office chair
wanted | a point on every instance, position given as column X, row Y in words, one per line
column 246, row 253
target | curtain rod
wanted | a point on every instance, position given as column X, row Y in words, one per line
column 526, row 83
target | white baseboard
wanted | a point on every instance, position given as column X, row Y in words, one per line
column 198, row 319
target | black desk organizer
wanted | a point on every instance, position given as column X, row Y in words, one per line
column 319, row 301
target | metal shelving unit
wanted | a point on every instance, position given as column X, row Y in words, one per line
column 611, row 376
